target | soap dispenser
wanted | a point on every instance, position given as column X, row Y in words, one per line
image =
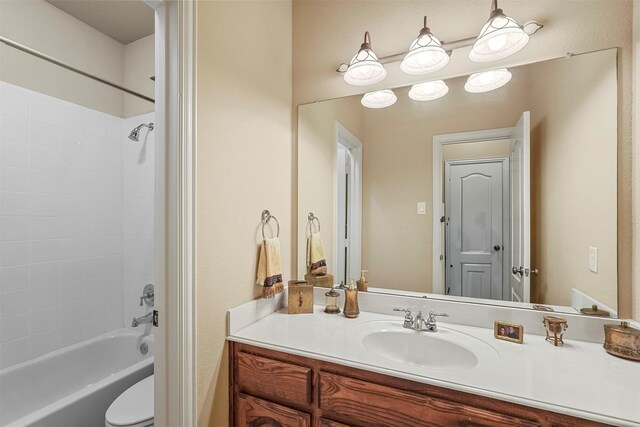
column 351, row 309
column 363, row 285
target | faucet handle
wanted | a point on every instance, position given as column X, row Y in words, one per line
column 433, row 315
column 147, row 295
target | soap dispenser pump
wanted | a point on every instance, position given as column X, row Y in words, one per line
column 351, row 309
column 363, row 285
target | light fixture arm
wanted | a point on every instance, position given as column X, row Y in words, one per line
column 529, row 27
column 367, row 41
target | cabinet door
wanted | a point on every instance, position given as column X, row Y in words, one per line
column 254, row 412
column 273, row 380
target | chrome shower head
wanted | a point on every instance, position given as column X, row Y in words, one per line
column 135, row 133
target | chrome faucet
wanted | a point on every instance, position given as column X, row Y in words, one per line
column 419, row 323
column 147, row 318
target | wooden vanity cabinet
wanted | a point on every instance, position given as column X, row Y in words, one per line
column 274, row 389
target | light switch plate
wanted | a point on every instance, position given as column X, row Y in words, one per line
column 593, row 259
column 422, row 208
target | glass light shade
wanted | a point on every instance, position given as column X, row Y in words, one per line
column 365, row 68
column 500, row 37
column 425, row 55
column 487, row 81
column 428, row 91
column 379, row 99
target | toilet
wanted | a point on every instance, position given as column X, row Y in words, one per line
column 134, row 407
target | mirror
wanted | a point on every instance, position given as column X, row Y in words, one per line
column 503, row 197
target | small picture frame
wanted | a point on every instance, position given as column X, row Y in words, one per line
column 508, row 331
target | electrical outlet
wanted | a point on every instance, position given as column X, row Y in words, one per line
column 422, row 208
column 593, row 259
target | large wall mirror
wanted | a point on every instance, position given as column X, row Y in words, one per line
column 505, row 197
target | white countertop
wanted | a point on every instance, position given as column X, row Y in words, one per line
column 579, row 379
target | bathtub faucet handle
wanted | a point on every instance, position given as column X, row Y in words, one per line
column 147, row 295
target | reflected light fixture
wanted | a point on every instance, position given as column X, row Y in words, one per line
column 365, row 68
column 487, row 81
column 379, row 99
column 425, row 55
column 500, row 37
column 428, row 91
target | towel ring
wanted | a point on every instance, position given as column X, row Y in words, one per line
column 311, row 217
column 266, row 217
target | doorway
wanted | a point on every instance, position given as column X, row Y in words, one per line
column 516, row 269
column 347, row 240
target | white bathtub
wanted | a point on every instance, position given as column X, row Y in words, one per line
column 74, row 386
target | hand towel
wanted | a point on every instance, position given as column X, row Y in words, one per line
column 269, row 274
column 316, row 263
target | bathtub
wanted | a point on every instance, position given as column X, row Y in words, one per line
column 75, row 385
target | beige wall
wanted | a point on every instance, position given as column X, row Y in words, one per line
column 569, row 27
column 636, row 157
column 573, row 190
column 244, row 118
column 316, row 125
column 43, row 27
column 476, row 150
column 139, row 66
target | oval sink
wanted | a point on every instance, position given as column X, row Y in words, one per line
column 420, row 349
column 447, row 349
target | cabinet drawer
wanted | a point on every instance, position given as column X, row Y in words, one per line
column 254, row 412
column 274, row 380
column 347, row 399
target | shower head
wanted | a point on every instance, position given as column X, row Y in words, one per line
column 135, row 133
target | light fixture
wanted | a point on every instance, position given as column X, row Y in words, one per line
column 364, row 68
column 487, row 81
column 425, row 54
column 500, row 37
column 428, row 91
column 379, row 99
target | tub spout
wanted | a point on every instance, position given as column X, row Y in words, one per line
column 147, row 318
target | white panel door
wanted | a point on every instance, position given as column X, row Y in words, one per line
column 475, row 205
column 519, row 277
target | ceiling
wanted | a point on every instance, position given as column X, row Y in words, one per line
column 122, row 20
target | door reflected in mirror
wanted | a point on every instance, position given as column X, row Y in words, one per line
column 503, row 196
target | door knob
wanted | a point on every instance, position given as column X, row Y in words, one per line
column 497, row 247
column 519, row 271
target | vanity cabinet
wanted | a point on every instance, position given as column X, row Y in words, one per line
column 274, row 389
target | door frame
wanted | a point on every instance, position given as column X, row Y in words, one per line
column 175, row 94
column 506, row 214
column 438, row 268
column 343, row 137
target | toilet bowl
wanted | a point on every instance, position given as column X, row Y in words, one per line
column 134, row 407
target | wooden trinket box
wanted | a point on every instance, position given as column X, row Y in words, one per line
column 300, row 297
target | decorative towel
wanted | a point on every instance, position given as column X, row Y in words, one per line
column 269, row 274
column 316, row 263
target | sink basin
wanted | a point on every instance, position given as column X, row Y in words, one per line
column 447, row 349
column 420, row 349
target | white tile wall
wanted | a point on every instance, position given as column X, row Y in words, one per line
column 76, row 198
column 139, row 173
